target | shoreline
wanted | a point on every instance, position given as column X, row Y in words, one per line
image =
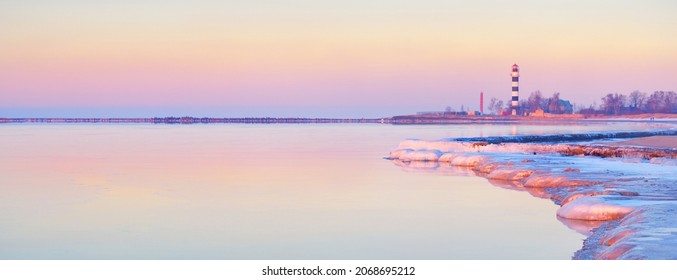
column 625, row 205
column 450, row 118
column 189, row 120
column 657, row 142
column 394, row 120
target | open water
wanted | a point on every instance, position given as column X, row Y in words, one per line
column 300, row 191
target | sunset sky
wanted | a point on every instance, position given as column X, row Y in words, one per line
column 311, row 58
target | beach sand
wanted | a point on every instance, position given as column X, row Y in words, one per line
column 652, row 141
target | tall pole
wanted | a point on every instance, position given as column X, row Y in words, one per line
column 481, row 102
column 514, row 104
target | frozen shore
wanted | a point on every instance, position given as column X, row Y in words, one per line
column 621, row 194
column 669, row 142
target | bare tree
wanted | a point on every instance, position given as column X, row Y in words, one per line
column 499, row 106
column 612, row 103
column 553, row 104
column 653, row 103
column 535, row 101
column 670, row 102
column 662, row 102
column 495, row 105
column 637, row 100
column 587, row 111
column 492, row 105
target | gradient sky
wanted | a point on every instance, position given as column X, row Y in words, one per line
column 335, row 58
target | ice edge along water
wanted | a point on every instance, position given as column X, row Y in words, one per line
column 623, row 198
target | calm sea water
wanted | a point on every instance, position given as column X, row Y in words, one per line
column 304, row 191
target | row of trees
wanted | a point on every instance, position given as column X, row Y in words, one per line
column 635, row 103
column 553, row 104
column 536, row 101
column 612, row 104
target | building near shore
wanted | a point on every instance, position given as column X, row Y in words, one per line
column 538, row 113
column 561, row 106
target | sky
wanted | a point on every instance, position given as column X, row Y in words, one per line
column 334, row 58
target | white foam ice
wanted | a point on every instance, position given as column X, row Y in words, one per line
column 617, row 183
column 597, row 208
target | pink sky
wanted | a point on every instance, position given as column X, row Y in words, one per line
column 334, row 58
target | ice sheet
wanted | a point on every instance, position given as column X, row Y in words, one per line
column 623, row 197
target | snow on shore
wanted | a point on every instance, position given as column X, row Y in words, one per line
column 623, row 196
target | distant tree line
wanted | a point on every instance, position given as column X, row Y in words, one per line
column 552, row 105
column 535, row 101
column 634, row 103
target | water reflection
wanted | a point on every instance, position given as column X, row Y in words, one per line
column 583, row 227
column 580, row 226
column 441, row 168
column 510, row 185
column 259, row 192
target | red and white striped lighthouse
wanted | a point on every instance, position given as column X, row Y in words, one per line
column 514, row 104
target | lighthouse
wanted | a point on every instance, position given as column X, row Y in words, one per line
column 514, row 104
